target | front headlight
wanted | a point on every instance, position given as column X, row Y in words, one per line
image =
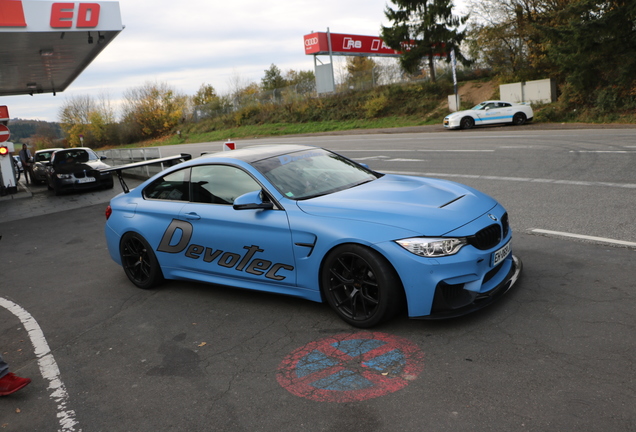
column 432, row 247
column 64, row 176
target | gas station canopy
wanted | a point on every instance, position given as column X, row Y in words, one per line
column 45, row 45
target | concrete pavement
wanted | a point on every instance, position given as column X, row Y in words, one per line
column 36, row 200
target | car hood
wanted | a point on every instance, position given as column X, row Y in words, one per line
column 425, row 206
column 462, row 113
column 79, row 167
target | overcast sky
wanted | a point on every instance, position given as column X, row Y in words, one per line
column 191, row 42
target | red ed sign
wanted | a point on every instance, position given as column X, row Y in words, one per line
column 11, row 14
column 63, row 15
column 346, row 44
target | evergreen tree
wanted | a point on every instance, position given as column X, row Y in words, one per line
column 273, row 79
column 421, row 30
column 591, row 46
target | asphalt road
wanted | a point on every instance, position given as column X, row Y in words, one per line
column 556, row 354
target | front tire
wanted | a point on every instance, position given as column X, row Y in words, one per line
column 360, row 285
column 139, row 261
column 467, row 123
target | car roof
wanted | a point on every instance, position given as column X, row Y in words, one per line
column 260, row 152
column 75, row 148
column 49, row 149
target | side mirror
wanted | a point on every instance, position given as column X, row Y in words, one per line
column 252, row 201
column 103, row 157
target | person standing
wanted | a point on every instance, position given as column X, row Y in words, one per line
column 10, row 382
column 27, row 166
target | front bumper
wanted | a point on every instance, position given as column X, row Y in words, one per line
column 78, row 184
column 451, row 301
column 451, row 123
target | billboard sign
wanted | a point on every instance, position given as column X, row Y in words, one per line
column 347, row 45
column 353, row 45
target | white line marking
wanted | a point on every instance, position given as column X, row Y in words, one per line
column 418, row 150
column 47, row 364
column 583, row 237
column 518, row 179
column 602, row 151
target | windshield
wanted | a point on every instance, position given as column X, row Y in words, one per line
column 480, row 106
column 72, row 157
column 312, row 173
column 43, row 156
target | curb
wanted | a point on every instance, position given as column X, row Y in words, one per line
column 23, row 191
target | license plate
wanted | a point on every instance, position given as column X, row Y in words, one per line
column 86, row 180
column 501, row 254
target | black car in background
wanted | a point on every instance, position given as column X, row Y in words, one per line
column 77, row 169
column 41, row 159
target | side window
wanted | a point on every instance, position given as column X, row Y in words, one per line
column 220, row 184
column 173, row 187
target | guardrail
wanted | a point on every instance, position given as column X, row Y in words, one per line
column 117, row 157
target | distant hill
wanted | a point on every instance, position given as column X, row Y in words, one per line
column 28, row 130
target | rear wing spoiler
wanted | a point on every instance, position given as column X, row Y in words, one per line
column 169, row 160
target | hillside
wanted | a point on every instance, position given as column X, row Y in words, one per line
column 25, row 131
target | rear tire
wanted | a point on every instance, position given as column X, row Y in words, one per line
column 139, row 261
column 360, row 285
column 519, row 119
column 57, row 190
column 16, row 170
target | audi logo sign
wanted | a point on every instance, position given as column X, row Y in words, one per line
column 311, row 41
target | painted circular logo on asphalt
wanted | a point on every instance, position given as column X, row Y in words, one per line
column 351, row 367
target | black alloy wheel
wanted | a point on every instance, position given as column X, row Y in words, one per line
column 467, row 123
column 519, row 119
column 360, row 285
column 139, row 261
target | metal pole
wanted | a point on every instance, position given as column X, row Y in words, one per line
column 333, row 77
column 454, row 62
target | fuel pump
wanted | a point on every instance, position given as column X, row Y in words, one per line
column 8, row 185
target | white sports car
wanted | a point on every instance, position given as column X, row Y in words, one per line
column 490, row 112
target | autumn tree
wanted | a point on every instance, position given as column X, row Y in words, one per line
column 361, row 71
column 422, row 29
column 206, row 103
column 89, row 122
column 205, row 95
column 152, row 110
column 303, row 81
column 588, row 46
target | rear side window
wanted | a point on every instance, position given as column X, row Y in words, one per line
column 171, row 187
column 220, row 184
column 43, row 157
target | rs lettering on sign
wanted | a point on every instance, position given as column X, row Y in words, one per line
column 349, row 43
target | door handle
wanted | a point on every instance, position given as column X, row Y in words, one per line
column 192, row 216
